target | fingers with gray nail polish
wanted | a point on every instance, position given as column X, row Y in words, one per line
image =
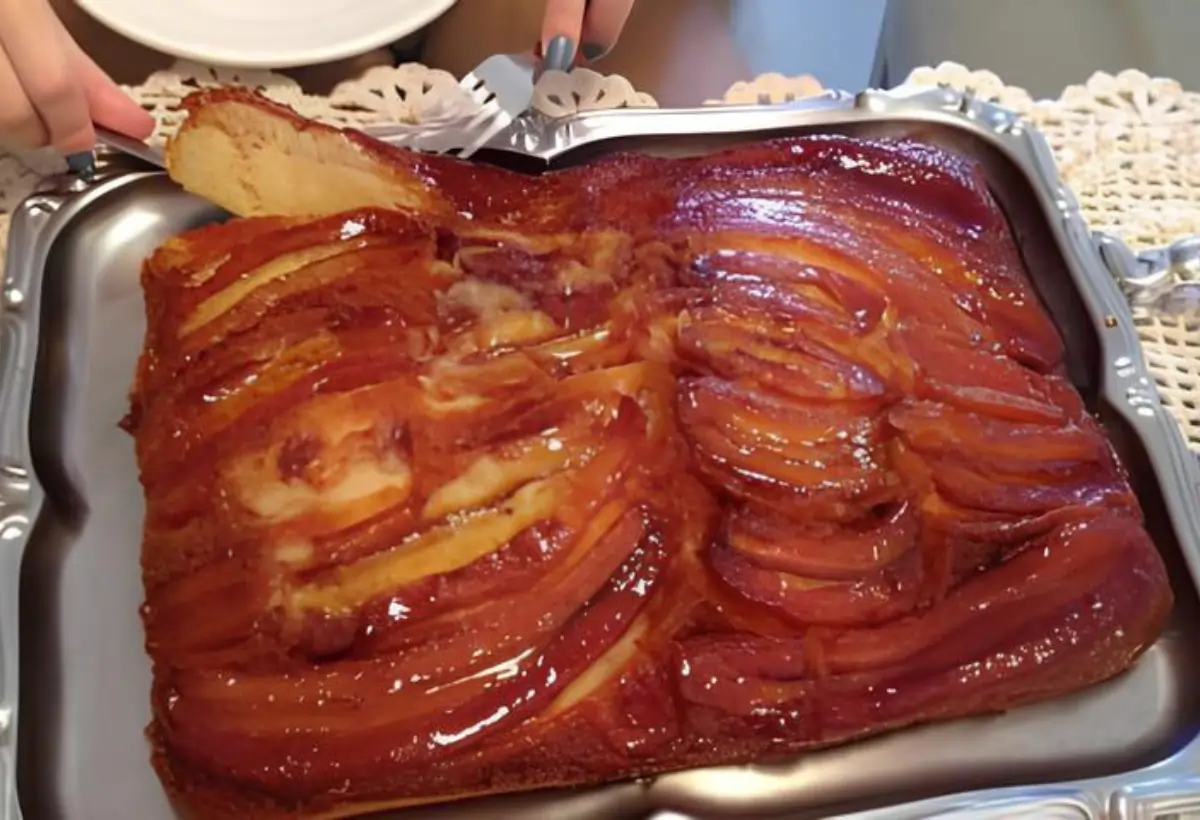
column 559, row 54
column 592, row 52
column 595, row 24
column 561, row 26
column 602, row 24
column 82, row 164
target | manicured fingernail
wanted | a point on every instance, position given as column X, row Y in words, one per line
column 560, row 53
column 82, row 165
column 593, row 51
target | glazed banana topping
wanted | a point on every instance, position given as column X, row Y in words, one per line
column 639, row 466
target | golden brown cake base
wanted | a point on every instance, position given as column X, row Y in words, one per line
column 461, row 482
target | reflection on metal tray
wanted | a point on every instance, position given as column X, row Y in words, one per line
column 71, row 330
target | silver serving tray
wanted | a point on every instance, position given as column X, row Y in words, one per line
column 71, row 657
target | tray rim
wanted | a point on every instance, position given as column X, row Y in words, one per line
column 1172, row 784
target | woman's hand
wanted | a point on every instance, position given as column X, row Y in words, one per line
column 50, row 91
column 580, row 31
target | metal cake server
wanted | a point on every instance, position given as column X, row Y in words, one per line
column 502, row 87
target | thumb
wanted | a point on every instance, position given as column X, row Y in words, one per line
column 109, row 105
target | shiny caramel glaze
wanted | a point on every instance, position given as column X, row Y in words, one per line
column 635, row 467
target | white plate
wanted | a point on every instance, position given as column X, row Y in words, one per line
column 265, row 33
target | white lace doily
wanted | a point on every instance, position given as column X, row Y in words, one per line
column 770, row 88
